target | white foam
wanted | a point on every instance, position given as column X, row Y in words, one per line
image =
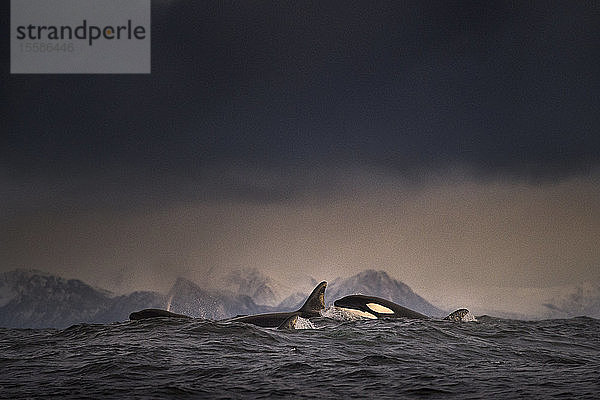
column 346, row 314
column 303, row 323
column 169, row 303
column 469, row 317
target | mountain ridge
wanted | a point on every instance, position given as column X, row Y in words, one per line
column 37, row 299
column 379, row 283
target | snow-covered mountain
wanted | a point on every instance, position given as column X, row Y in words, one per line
column 263, row 289
column 186, row 297
column 380, row 284
column 34, row 299
column 372, row 283
column 575, row 301
column 120, row 307
column 244, row 282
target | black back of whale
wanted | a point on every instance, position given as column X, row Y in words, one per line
column 154, row 313
column 311, row 308
column 359, row 302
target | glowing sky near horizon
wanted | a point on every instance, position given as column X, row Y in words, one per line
column 455, row 146
column 447, row 240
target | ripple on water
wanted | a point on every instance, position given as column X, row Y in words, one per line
column 492, row 358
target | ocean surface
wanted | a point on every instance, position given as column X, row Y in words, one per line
column 326, row 358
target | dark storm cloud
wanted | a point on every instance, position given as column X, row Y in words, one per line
column 498, row 88
column 453, row 144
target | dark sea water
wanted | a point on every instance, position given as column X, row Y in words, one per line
column 330, row 358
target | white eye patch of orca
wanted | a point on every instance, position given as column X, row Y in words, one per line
column 378, row 308
column 358, row 313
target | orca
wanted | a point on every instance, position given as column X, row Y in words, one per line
column 461, row 314
column 375, row 307
column 154, row 313
column 282, row 320
column 289, row 323
column 378, row 308
column 313, row 306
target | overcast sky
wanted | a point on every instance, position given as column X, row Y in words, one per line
column 454, row 144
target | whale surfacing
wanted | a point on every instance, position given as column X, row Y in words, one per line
column 289, row 324
column 461, row 315
column 154, row 313
column 376, row 307
column 313, row 306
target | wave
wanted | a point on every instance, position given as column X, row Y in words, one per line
column 330, row 358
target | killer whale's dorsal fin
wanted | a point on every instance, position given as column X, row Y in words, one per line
column 462, row 314
column 315, row 302
column 289, row 323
